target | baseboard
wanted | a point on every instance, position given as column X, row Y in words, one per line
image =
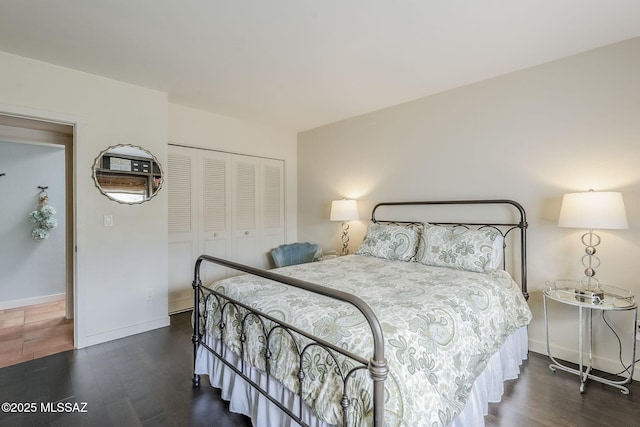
column 125, row 332
column 181, row 304
column 6, row 305
column 181, row 311
column 571, row 355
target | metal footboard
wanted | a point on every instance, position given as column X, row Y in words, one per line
column 376, row 365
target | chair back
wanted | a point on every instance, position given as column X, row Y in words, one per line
column 295, row 253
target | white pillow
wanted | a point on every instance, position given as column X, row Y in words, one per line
column 497, row 254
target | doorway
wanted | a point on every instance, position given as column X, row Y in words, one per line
column 37, row 267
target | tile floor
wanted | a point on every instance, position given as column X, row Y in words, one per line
column 35, row 331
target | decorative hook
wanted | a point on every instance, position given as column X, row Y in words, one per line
column 43, row 192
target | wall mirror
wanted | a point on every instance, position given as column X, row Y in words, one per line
column 127, row 174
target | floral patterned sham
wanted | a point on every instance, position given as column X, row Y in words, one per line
column 390, row 241
column 460, row 248
column 440, row 325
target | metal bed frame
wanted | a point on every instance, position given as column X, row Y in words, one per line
column 270, row 326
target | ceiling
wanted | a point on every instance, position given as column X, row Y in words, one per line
column 299, row 64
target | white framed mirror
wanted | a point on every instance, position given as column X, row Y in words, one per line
column 127, row 174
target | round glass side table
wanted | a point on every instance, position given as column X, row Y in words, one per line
column 606, row 298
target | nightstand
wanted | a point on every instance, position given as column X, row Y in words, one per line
column 571, row 292
column 327, row 255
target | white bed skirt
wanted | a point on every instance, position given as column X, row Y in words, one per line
column 244, row 399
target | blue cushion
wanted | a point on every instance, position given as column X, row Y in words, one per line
column 295, row 253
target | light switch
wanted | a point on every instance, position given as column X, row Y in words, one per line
column 108, row 220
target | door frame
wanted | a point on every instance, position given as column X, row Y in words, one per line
column 73, row 294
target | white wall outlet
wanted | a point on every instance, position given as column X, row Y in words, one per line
column 149, row 293
column 107, row 220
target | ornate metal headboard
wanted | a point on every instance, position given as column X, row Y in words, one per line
column 504, row 228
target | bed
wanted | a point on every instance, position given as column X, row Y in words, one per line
column 420, row 326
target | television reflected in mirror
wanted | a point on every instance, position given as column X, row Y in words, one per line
column 127, row 174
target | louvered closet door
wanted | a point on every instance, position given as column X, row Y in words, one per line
column 247, row 241
column 258, row 209
column 215, row 237
column 183, row 226
column 272, row 206
column 199, row 218
column 225, row 205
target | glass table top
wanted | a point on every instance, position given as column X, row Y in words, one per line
column 600, row 297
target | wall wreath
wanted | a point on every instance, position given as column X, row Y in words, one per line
column 43, row 217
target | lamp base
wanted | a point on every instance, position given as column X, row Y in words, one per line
column 345, row 238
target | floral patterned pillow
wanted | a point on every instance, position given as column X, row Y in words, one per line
column 389, row 241
column 460, row 248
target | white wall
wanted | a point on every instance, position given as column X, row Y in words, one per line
column 28, row 166
column 531, row 136
column 196, row 128
column 115, row 266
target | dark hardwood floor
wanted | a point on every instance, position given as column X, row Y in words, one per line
column 145, row 380
column 142, row 380
column 540, row 397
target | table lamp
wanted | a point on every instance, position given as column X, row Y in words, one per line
column 344, row 210
column 591, row 210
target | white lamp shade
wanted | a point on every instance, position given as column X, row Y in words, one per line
column 593, row 209
column 344, row 210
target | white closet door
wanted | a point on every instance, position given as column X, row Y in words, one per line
column 183, row 226
column 224, row 205
column 215, row 237
column 245, row 211
column 272, row 207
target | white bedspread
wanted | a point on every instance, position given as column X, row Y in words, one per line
column 441, row 328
